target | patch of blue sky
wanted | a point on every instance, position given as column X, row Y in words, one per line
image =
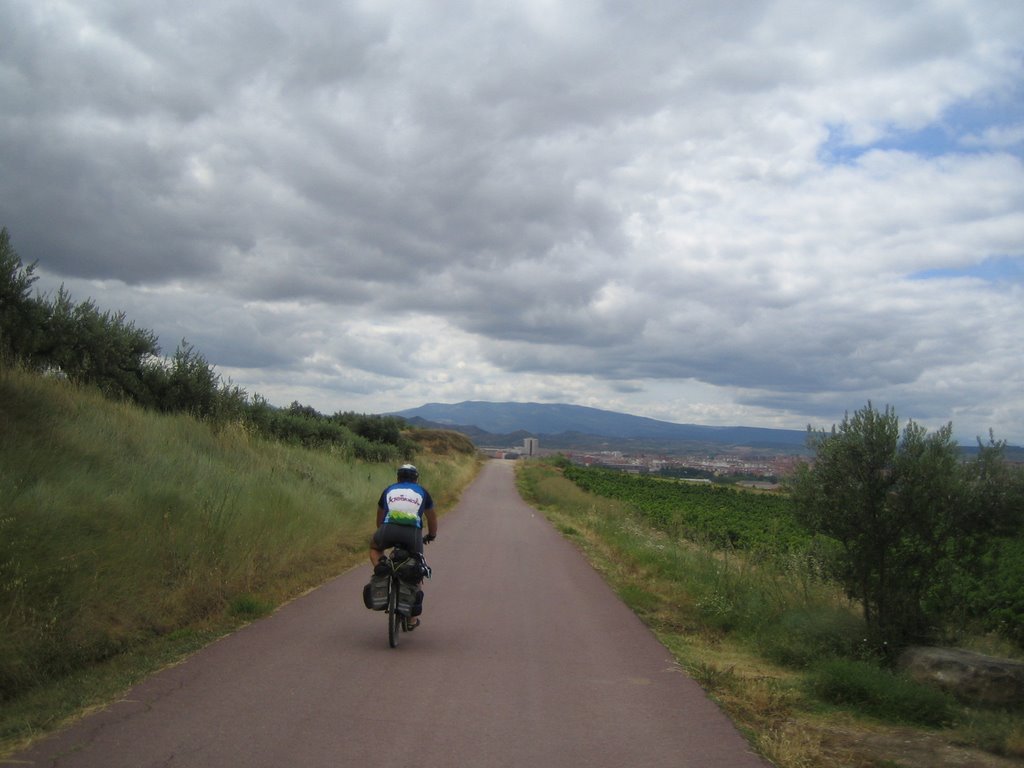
column 996, row 269
column 980, row 125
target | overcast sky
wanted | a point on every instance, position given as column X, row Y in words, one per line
column 761, row 213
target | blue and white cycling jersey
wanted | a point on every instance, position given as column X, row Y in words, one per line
column 405, row 504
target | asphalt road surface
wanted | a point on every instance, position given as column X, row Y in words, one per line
column 525, row 658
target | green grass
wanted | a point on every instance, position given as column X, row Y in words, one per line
column 779, row 605
column 124, row 529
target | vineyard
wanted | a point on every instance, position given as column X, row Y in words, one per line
column 719, row 516
column 989, row 599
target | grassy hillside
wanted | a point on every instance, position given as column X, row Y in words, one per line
column 120, row 527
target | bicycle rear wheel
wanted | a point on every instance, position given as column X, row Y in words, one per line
column 394, row 618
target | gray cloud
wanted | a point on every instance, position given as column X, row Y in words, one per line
column 687, row 211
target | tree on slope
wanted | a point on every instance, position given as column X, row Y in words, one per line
column 896, row 506
column 21, row 314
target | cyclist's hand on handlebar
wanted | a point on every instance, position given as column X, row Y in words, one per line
column 429, row 538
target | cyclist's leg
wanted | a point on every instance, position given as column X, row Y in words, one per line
column 390, row 535
column 386, row 537
column 377, row 546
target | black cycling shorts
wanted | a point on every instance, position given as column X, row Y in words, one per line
column 408, row 537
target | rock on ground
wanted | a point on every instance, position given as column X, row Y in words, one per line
column 971, row 677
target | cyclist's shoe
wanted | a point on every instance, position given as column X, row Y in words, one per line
column 411, row 624
column 383, row 567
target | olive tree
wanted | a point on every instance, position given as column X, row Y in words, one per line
column 895, row 504
column 103, row 349
column 21, row 314
column 188, row 383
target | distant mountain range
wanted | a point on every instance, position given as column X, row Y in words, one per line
column 576, row 426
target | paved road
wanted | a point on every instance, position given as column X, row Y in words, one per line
column 525, row 658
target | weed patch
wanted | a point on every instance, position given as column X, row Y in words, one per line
column 249, row 607
column 876, row 692
column 799, row 637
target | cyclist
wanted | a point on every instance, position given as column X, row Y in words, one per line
column 400, row 512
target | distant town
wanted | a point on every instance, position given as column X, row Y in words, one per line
column 752, row 469
column 630, row 443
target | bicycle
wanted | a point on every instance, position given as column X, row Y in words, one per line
column 394, row 588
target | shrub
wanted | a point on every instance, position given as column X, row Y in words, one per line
column 103, row 349
column 375, row 428
column 188, row 383
column 873, row 691
column 994, row 596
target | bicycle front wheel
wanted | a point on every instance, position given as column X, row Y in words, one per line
column 394, row 618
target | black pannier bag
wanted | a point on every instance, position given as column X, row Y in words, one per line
column 375, row 594
column 409, row 598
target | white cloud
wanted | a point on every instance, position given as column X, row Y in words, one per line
column 999, row 137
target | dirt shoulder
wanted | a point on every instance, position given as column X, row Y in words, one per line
column 906, row 747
